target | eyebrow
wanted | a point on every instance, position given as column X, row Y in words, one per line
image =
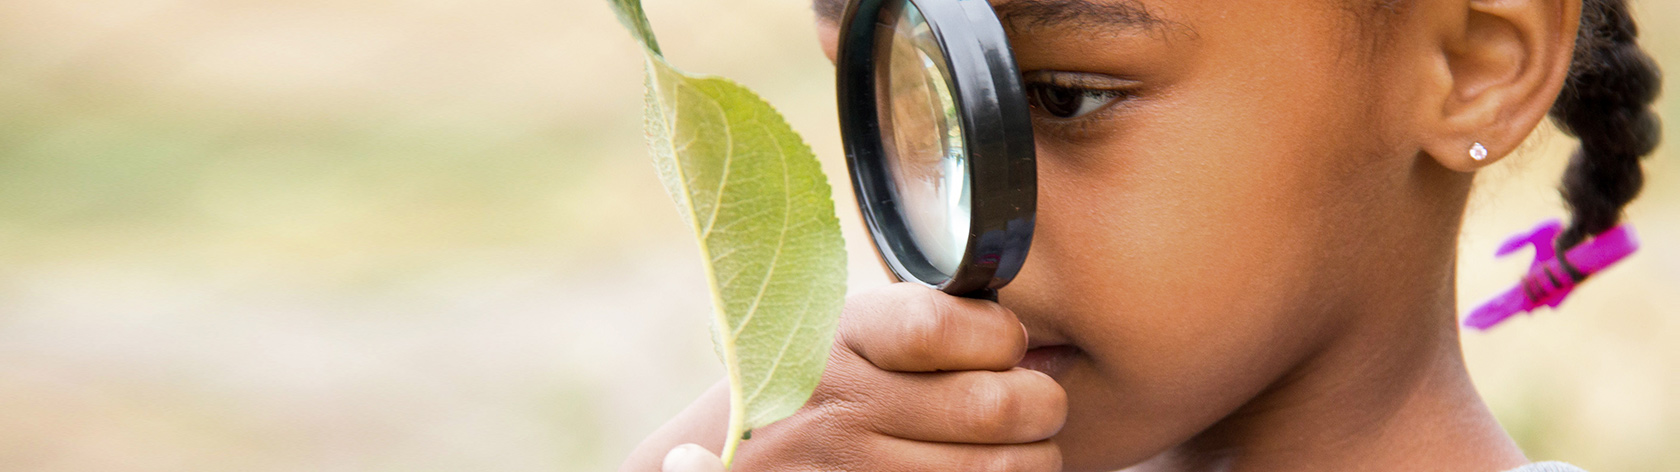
column 1114, row 14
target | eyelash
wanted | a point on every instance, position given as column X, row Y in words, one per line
column 1054, row 92
column 1096, row 96
column 1069, row 103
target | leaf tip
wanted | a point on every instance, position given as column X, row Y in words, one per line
column 630, row 14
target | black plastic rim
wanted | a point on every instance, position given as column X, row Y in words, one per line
column 997, row 134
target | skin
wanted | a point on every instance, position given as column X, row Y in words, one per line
column 1246, row 263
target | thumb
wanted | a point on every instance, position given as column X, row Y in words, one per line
column 691, row 458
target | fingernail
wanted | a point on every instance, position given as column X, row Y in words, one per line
column 691, row 458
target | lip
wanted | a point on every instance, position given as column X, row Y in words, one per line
column 1051, row 360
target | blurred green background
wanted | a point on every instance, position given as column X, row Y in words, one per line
column 425, row 235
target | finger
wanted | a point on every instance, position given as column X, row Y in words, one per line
column 691, row 458
column 910, row 328
column 978, row 407
column 893, row 454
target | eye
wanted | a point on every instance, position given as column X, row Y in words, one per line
column 1068, row 102
column 1072, row 95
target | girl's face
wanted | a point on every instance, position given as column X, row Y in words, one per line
column 1224, row 187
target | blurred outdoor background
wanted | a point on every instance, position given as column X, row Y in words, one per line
column 265, row 235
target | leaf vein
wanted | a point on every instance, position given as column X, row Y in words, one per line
column 781, row 239
column 723, row 180
column 804, row 311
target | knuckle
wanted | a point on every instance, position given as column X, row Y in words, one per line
column 1047, row 459
column 837, row 414
column 982, row 462
column 854, row 315
column 837, row 397
column 994, row 407
column 863, row 310
column 856, row 341
column 844, row 398
column 835, row 379
column 924, row 325
column 1003, row 462
column 899, row 327
column 1016, row 406
column 1010, row 459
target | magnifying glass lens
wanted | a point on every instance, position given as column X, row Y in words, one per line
column 923, row 135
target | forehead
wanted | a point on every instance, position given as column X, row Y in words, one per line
column 1117, row 9
column 1126, row 13
column 1346, row 20
column 1048, row 15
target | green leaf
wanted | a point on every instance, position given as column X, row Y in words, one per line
column 762, row 209
column 631, row 15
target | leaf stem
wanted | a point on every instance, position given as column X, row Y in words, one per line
column 737, row 422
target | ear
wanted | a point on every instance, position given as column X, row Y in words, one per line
column 1502, row 64
column 829, row 34
column 828, row 13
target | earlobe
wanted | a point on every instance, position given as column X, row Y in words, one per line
column 1505, row 62
column 1466, row 158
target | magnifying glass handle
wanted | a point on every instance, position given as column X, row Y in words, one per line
column 983, row 294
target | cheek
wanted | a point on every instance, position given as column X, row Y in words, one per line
column 1181, row 287
column 1195, row 253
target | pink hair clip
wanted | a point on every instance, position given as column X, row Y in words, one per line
column 1550, row 278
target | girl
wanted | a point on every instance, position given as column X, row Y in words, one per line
column 1245, row 246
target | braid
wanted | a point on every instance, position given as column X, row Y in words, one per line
column 1606, row 102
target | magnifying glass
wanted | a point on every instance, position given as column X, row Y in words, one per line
column 939, row 141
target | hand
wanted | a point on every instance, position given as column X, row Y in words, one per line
column 919, row 380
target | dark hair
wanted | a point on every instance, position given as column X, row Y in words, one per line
column 1606, row 102
column 829, row 10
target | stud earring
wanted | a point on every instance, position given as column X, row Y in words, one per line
column 1478, row 152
